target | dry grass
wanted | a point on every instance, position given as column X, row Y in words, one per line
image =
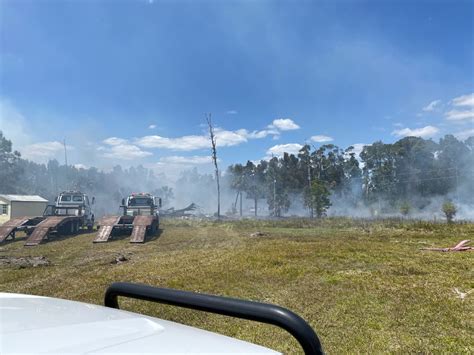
column 364, row 286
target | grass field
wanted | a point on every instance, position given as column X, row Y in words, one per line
column 365, row 287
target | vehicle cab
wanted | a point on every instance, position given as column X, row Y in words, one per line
column 74, row 203
column 141, row 204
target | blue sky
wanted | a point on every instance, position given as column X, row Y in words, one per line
column 128, row 82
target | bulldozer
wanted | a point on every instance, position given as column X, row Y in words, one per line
column 71, row 212
column 140, row 217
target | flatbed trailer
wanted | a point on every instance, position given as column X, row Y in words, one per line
column 19, row 224
column 41, row 228
column 139, row 218
column 138, row 227
column 54, row 225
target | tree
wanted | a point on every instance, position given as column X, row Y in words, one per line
column 318, row 198
column 279, row 179
column 379, row 172
column 214, row 159
column 9, row 169
column 165, row 193
column 237, row 182
column 253, row 185
column 449, row 210
column 405, row 208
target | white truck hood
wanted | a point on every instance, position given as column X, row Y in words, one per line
column 34, row 324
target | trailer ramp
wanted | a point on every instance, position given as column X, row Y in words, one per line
column 140, row 224
column 42, row 229
column 8, row 228
column 106, row 224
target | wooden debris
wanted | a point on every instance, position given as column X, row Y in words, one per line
column 460, row 294
column 257, row 234
column 461, row 246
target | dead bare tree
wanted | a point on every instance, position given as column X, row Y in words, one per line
column 214, row 159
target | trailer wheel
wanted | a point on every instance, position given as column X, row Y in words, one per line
column 74, row 227
column 90, row 227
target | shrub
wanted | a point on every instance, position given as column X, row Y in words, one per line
column 449, row 210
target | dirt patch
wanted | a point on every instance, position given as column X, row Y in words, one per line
column 121, row 258
column 24, row 261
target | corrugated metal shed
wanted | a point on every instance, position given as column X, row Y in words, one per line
column 23, row 198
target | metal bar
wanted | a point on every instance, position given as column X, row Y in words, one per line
column 255, row 311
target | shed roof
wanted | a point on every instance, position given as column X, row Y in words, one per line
column 23, row 198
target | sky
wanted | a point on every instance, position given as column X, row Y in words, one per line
column 129, row 82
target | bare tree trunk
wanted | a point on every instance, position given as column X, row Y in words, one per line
column 240, row 203
column 214, row 159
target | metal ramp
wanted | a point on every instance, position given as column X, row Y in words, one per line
column 106, row 224
column 140, row 223
column 9, row 227
column 42, row 229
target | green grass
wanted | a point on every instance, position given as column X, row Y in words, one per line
column 364, row 286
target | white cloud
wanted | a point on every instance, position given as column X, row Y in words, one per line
column 460, row 116
column 184, row 143
column 224, row 138
column 464, row 100
column 232, row 112
column 230, row 138
column 431, row 106
column 284, row 124
column 43, row 151
column 278, row 150
column 120, row 148
column 465, row 134
column 191, row 160
column 152, row 126
column 115, row 141
column 427, row 131
column 321, row 139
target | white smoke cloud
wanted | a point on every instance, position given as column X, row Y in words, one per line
column 44, row 151
column 462, row 135
column 13, row 124
column 191, row 160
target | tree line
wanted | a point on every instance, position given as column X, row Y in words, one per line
column 387, row 177
column 394, row 176
column 21, row 176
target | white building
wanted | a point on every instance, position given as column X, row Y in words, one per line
column 12, row 206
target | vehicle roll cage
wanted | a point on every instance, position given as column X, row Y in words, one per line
column 255, row 311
